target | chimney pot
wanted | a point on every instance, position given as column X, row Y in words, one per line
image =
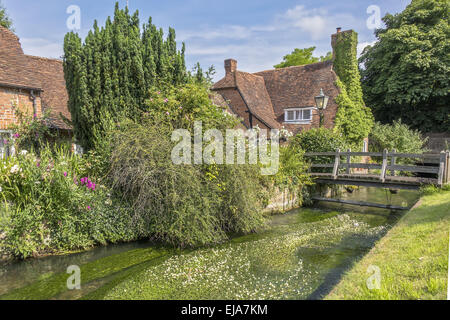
column 230, row 66
column 338, row 29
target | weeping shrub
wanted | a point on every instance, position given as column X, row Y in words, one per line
column 184, row 205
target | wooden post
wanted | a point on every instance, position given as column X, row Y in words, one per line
column 337, row 161
column 441, row 168
column 348, row 160
column 393, row 162
column 383, row 168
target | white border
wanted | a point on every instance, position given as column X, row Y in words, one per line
column 448, row 279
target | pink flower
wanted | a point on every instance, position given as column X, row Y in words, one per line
column 65, row 174
column 166, row 100
column 16, row 135
column 89, row 208
column 38, row 164
column 159, row 92
column 168, row 113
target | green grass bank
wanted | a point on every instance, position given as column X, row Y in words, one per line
column 412, row 257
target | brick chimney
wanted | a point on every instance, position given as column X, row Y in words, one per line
column 334, row 39
column 230, row 66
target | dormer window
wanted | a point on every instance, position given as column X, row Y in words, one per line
column 299, row 116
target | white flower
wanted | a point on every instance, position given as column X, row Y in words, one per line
column 23, row 152
column 15, row 169
column 1, row 189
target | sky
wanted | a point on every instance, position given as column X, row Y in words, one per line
column 257, row 33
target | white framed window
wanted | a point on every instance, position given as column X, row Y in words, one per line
column 6, row 144
column 303, row 115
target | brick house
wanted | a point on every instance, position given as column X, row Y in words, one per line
column 283, row 97
column 30, row 84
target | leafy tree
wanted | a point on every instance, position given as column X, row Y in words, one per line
column 300, row 57
column 5, row 20
column 109, row 76
column 406, row 74
column 202, row 77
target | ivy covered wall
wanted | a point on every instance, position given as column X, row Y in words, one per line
column 353, row 120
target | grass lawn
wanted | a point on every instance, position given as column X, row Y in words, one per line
column 412, row 257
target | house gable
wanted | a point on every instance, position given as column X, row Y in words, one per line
column 268, row 95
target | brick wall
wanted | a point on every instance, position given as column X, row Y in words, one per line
column 10, row 99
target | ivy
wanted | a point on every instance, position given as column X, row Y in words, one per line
column 353, row 120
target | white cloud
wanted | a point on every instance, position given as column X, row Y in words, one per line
column 319, row 23
column 362, row 45
column 42, row 47
column 315, row 24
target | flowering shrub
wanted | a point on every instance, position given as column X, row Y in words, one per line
column 48, row 205
column 31, row 132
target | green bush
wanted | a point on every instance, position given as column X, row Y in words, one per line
column 292, row 174
column 319, row 140
column 49, row 205
column 396, row 136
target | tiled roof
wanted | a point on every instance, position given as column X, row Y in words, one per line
column 54, row 97
column 254, row 93
column 268, row 93
column 14, row 68
column 24, row 71
column 297, row 86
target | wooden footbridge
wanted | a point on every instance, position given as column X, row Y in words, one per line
column 424, row 169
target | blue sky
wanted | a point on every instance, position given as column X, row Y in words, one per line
column 257, row 33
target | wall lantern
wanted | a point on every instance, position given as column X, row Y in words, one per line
column 321, row 100
column 321, row 104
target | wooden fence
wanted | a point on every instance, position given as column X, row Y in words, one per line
column 430, row 164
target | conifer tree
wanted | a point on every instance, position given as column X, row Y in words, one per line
column 109, row 75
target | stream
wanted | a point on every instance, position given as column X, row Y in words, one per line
column 300, row 255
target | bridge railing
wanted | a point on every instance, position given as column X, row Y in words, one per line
column 437, row 164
